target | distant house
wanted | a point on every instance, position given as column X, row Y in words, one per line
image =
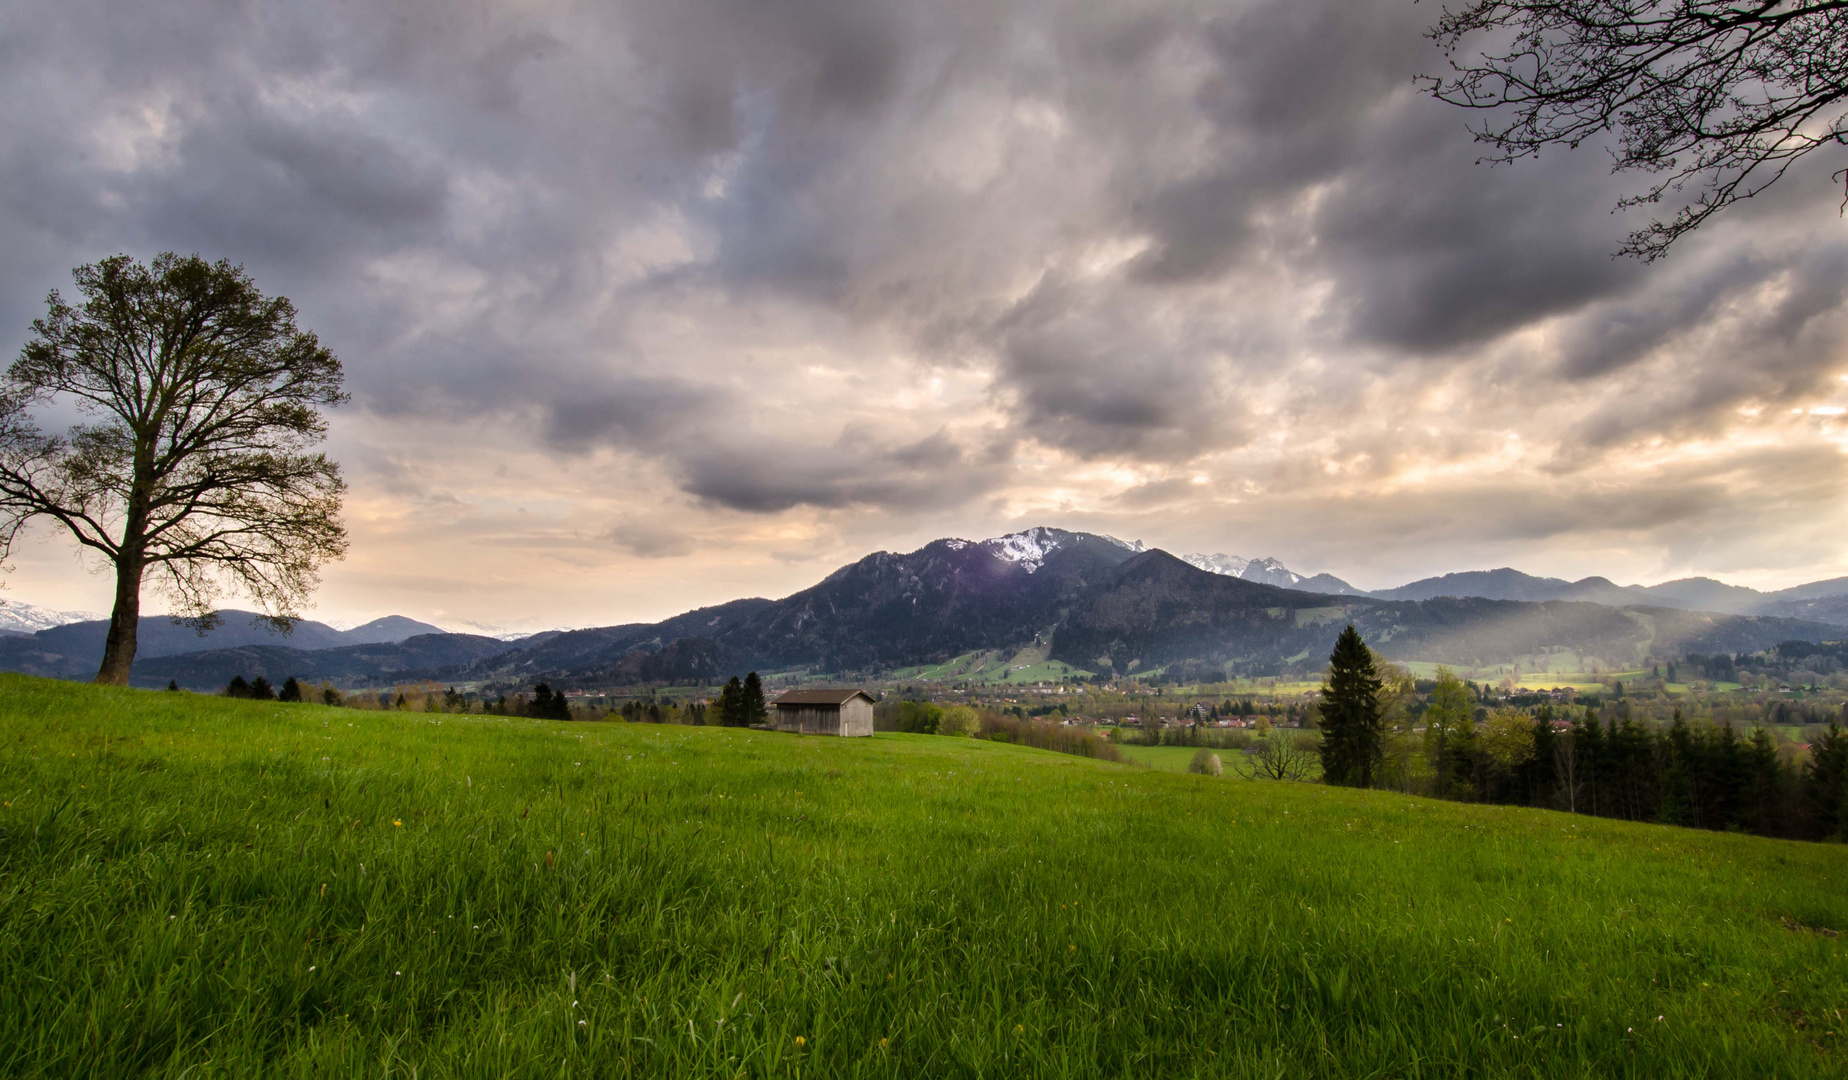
column 844, row 711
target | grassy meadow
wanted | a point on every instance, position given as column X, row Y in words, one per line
column 202, row 887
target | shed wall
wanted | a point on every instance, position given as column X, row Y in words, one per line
column 809, row 719
column 853, row 718
column 857, row 717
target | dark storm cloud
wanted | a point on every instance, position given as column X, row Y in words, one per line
column 769, row 474
column 1158, row 234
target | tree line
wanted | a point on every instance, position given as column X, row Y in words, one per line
column 740, row 702
column 1603, row 762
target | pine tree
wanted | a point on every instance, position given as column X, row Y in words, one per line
column 547, row 705
column 1677, row 805
column 731, row 704
column 1351, row 722
column 1826, row 781
column 173, row 684
column 755, row 711
column 1765, row 786
column 261, row 689
column 237, row 687
column 291, row 690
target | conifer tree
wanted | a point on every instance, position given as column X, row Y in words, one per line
column 1351, row 722
column 261, row 689
column 731, row 704
column 1827, row 781
column 1765, row 786
column 547, row 705
column 237, row 687
column 291, row 690
column 755, row 711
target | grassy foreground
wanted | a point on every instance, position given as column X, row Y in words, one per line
column 196, row 886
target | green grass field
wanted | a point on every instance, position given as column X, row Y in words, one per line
column 200, row 887
column 1166, row 758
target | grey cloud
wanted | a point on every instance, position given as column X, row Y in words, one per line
column 1089, row 372
column 651, row 541
column 769, row 475
column 453, row 193
column 638, row 413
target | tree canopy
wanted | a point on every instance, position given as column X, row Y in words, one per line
column 203, row 402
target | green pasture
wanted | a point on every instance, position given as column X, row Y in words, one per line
column 1167, row 758
column 1022, row 667
column 197, row 887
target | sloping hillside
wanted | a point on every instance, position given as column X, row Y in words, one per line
column 203, row 886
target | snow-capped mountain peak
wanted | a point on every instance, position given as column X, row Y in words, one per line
column 1265, row 571
column 1220, row 563
column 30, row 618
column 1271, row 572
column 1029, row 548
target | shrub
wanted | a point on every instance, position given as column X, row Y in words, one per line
column 1047, row 737
column 1206, row 763
column 960, row 721
column 920, row 717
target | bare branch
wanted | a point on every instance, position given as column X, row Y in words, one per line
column 1715, row 98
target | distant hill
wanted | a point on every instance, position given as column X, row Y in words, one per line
column 73, row 650
column 347, row 665
column 1821, row 601
column 1156, row 610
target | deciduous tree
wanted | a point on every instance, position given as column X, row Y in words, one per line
column 203, row 401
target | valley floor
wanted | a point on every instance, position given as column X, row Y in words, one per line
column 196, row 886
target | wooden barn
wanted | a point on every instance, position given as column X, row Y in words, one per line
column 845, row 711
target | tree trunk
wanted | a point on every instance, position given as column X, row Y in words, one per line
column 124, row 622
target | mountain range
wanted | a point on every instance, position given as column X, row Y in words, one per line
column 72, row 650
column 1094, row 602
column 1818, row 601
column 18, row 618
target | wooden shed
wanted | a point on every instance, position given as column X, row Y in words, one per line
column 843, row 711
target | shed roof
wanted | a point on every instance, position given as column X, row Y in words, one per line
column 839, row 695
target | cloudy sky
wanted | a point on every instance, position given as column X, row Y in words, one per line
column 658, row 303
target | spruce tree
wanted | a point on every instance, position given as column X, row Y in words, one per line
column 1826, row 781
column 755, row 711
column 1351, row 722
column 291, row 690
column 731, row 704
column 237, row 687
column 261, row 689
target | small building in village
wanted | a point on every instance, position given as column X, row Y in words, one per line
column 843, row 711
